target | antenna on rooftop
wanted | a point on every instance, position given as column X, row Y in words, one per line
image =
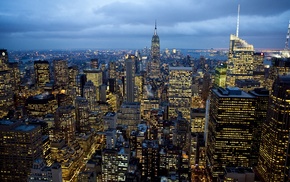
column 238, row 21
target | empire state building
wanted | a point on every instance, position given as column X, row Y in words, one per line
column 154, row 69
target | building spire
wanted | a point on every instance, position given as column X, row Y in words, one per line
column 155, row 30
column 238, row 21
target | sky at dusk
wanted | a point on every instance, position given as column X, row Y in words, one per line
column 129, row 24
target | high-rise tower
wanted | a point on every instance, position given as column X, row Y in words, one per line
column 180, row 91
column 61, row 73
column 154, row 70
column 240, row 60
column 6, row 93
column 230, row 129
column 41, row 70
column 130, row 77
column 274, row 148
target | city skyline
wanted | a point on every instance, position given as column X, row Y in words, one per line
column 130, row 24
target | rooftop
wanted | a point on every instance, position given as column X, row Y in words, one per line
column 24, row 127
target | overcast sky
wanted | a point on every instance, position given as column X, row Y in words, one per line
column 69, row 24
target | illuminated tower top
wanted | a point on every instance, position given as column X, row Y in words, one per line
column 155, row 55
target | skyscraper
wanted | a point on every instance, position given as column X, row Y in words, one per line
column 179, row 91
column 20, row 145
column 154, row 70
column 6, row 92
column 65, row 124
column 130, row 78
column 41, row 71
column 274, row 149
column 240, row 64
column 230, row 128
column 96, row 77
column 61, row 76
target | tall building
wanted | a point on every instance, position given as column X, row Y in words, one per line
column 154, row 70
column 273, row 164
column 15, row 77
column 230, row 129
column 220, row 76
column 41, row 71
column 89, row 92
column 20, row 145
column 129, row 115
column 65, row 124
column 240, row 64
column 280, row 66
column 130, row 78
column 262, row 97
column 82, row 115
column 179, row 91
column 6, row 89
column 61, row 76
column 112, row 69
column 81, row 79
column 96, row 76
column 73, row 72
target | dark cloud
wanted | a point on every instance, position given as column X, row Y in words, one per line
column 184, row 24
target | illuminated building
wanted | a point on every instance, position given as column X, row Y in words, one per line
column 40, row 172
column 262, row 97
column 181, row 134
column 139, row 83
column 150, row 160
column 230, row 129
column 109, row 165
column 198, row 120
column 259, row 69
column 206, row 85
column 130, row 78
column 41, row 71
column 15, row 77
column 73, row 72
column 129, row 115
column 280, row 66
column 95, row 76
column 112, row 69
column 115, row 164
column 69, row 156
column 6, row 89
column 273, row 163
column 61, row 76
column 154, row 70
column 82, row 115
column 65, row 123
column 80, row 83
column 147, row 105
column 89, row 92
column 179, row 91
column 240, row 60
column 20, row 145
column 220, row 76
column 40, row 105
